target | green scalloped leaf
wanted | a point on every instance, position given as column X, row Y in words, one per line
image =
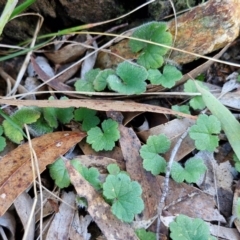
column 185, row 228
column 152, row 161
column 125, row 194
column 151, row 56
column 167, row 79
column 100, row 82
column 191, row 173
column 131, row 81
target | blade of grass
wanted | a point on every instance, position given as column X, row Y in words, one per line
column 9, row 8
column 22, row 7
column 229, row 123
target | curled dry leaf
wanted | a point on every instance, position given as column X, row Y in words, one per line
column 55, row 84
column 69, row 53
column 16, row 173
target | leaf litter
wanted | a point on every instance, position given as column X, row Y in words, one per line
column 182, row 198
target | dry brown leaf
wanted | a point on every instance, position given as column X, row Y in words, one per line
column 79, row 228
column 100, row 211
column 224, row 174
column 223, row 232
column 55, row 84
column 49, row 204
column 130, row 146
column 62, row 221
column 67, row 54
column 100, row 105
column 188, row 200
column 16, row 174
column 23, row 205
column 8, row 222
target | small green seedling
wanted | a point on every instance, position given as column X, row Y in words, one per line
column 185, row 228
column 2, row 140
column 25, row 115
column 167, row 78
column 54, row 115
column 87, row 117
column 130, row 79
column 105, row 138
column 145, row 235
column 124, row 194
column 193, row 170
column 182, row 108
column 205, row 131
column 196, row 102
column 151, row 56
column 86, row 84
column 59, row 173
column 152, row 161
column 100, row 82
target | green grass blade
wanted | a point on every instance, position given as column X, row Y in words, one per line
column 22, row 7
column 8, row 9
column 229, row 123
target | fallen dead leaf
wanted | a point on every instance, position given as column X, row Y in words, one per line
column 62, row 221
column 224, row 232
column 8, row 221
column 100, row 211
column 49, row 205
column 55, row 84
column 79, row 228
column 100, row 105
column 224, row 176
column 188, row 200
column 23, row 205
column 16, row 174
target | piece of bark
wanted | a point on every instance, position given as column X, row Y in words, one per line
column 206, row 28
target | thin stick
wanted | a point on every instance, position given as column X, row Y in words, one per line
column 166, row 181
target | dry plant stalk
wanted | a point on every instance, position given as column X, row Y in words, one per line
column 206, row 28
